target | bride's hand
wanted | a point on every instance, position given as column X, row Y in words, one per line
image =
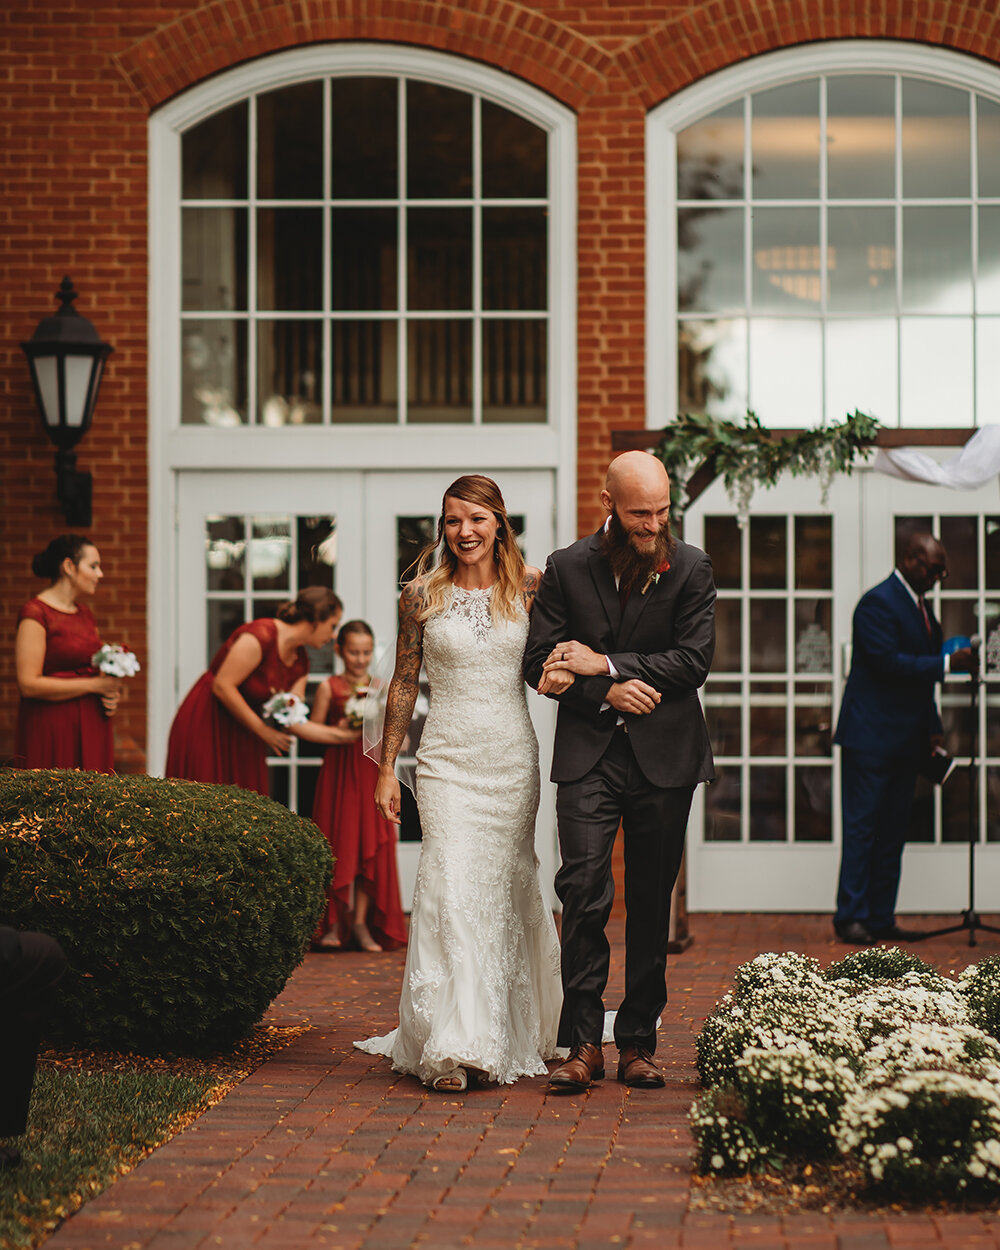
column 387, row 796
column 555, row 682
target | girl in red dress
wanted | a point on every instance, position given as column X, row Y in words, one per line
column 218, row 734
column 66, row 704
column 364, row 893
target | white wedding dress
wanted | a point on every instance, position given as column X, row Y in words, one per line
column 481, row 984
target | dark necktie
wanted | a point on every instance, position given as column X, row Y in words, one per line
column 926, row 616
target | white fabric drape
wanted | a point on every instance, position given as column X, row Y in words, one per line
column 973, row 466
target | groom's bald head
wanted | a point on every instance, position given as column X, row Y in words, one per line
column 635, row 476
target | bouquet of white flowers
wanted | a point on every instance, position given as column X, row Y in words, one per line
column 284, row 710
column 354, row 708
column 115, row 661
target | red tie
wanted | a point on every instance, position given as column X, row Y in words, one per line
column 927, row 619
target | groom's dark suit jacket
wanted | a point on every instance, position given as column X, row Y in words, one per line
column 665, row 637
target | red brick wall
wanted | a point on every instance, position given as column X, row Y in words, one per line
column 79, row 79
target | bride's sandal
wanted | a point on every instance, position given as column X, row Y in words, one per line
column 454, row 1082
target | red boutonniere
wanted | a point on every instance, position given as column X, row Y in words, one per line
column 654, row 577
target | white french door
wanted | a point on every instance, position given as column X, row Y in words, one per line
column 766, row 835
column 248, row 541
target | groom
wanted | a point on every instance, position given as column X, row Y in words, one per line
column 622, row 634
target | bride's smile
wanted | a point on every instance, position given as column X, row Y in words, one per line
column 470, row 531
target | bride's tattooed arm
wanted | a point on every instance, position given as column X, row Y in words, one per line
column 405, row 682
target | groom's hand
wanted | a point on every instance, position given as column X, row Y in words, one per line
column 633, row 696
column 576, row 657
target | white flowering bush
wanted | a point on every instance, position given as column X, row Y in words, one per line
column 880, row 1058
column 926, row 1135
column 979, row 985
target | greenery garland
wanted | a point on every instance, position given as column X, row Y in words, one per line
column 746, row 456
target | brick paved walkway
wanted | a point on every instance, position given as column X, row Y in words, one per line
column 323, row 1147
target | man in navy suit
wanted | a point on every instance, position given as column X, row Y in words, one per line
column 888, row 726
column 622, row 634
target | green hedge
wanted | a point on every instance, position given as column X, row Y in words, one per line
column 183, row 908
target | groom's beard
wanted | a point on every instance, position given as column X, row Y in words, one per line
column 630, row 565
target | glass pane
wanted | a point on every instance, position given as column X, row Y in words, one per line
column 862, row 260
column 955, row 812
column 861, row 370
column 214, row 157
column 960, row 536
column 262, row 608
column 767, row 636
column 290, row 143
column 988, row 271
column 992, row 552
column 786, row 260
column 993, row 805
column 935, row 140
column 814, row 728
column 289, row 372
column 722, row 542
column 712, row 367
column 364, row 382
column 279, row 782
column 992, row 700
column 439, row 371
column 439, row 258
column 413, row 534
column 813, row 553
column 813, row 807
column 364, row 258
column 271, row 553
column 785, row 131
column 515, row 256
column 214, row 258
column 515, row 377
column 991, row 637
column 786, row 372
column 813, row 636
column 987, row 366
column 937, row 260
column 861, row 137
column 225, row 547
column 289, row 258
column 956, row 717
column 213, row 373
column 514, row 154
column 957, row 616
column 768, row 554
column 710, row 259
column 728, row 636
column 934, row 395
column 710, row 156
column 364, row 138
column 988, row 133
column 767, row 804
column 306, row 776
column 767, row 730
column 438, row 141
column 222, row 616
column 317, row 547
column 724, row 724
column 722, row 805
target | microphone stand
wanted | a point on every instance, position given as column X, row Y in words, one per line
column 970, row 922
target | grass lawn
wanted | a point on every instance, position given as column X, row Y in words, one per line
column 95, row 1115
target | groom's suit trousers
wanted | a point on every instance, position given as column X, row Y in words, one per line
column 653, row 819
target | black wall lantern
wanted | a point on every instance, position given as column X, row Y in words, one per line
column 66, row 357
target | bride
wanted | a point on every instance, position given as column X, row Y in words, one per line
column 481, row 989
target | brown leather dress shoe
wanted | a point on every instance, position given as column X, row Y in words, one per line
column 636, row 1068
column 584, row 1065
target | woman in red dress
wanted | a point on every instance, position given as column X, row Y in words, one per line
column 218, row 734
column 66, row 704
column 364, row 893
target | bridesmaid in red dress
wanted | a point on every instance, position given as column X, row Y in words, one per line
column 66, row 704
column 364, row 893
column 218, row 734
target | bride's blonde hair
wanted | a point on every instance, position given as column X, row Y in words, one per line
column 439, row 572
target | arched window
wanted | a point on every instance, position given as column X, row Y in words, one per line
column 364, row 249
column 826, row 236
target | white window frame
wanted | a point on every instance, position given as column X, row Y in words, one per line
column 772, row 69
column 174, row 448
